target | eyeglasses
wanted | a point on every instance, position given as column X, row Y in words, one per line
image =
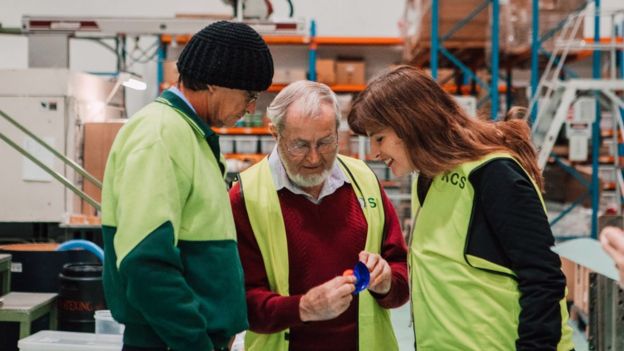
column 302, row 148
column 252, row 96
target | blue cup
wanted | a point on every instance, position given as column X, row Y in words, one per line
column 362, row 276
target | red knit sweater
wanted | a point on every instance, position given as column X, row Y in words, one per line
column 323, row 241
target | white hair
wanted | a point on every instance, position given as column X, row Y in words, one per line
column 311, row 94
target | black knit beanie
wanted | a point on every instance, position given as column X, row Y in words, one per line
column 230, row 55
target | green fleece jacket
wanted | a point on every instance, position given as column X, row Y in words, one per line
column 172, row 273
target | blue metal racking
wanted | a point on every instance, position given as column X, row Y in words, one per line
column 536, row 49
column 437, row 47
column 595, row 183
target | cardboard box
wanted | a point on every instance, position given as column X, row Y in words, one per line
column 445, row 75
column 581, row 289
column 574, row 189
column 98, row 139
column 569, row 268
column 289, row 75
column 326, row 71
column 350, row 72
column 555, row 178
column 452, row 12
column 562, row 187
column 610, row 221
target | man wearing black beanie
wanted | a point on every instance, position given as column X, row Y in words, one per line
column 172, row 273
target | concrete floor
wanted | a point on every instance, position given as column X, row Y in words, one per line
column 405, row 335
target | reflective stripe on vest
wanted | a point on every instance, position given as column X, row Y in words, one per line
column 265, row 216
column 461, row 301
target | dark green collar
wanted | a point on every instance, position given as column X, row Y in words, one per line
column 201, row 127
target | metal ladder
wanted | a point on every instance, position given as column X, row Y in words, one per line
column 554, row 98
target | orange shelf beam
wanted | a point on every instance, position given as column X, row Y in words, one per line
column 606, row 40
column 347, row 88
column 286, row 40
column 370, row 41
column 243, row 130
column 582, row 54
column 304, row 40
column 245, row 156
column 390, row 183
column 179, row 38
column 270, row 39
column 338, row 88
column 355, row 88
column 276, row 88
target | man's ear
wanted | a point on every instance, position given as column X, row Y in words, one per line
column 273, row 130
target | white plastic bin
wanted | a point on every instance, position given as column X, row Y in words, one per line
column 246, row 144
column 355, row 145
column 226, row 142
column 379, row 168
column 105, row 324
column 267, row 143
column 52, row 340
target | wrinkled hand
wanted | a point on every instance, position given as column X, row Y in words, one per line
column 328, row 300
column 612, row 240
column 380, row 272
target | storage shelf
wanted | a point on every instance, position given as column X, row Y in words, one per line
column 270, row 39
column 347, row 88
column 360, row 41
column 276, row 88
column 338, row 88
column 243, row 131
column 246, row 157
column 286, row 40
column 304, row 40
column 390, row 183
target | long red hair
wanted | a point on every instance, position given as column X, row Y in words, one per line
column 438, row 134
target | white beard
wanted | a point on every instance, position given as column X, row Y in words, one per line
column 308, row 181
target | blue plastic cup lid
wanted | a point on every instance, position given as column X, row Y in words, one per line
column 362, row 276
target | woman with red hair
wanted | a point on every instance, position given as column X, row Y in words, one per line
column 483, row 276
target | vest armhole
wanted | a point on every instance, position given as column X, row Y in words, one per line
column 240, row 189
column 383, row 227
column 468, row 234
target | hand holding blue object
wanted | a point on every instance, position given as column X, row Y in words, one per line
column 362, row 276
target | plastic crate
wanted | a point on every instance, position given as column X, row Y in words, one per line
column 246, row 144
column 226, row 143
column 51, row 340
column 267, row 143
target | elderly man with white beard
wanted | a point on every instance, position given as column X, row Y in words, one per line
column 305, row 214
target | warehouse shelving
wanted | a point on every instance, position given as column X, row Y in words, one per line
column 243, row 130
column 438, row 47
column 312, row 44
column 551, row 78
column 597, row 301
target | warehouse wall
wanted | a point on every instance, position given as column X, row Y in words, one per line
column 336, row 18
column 340, row 18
